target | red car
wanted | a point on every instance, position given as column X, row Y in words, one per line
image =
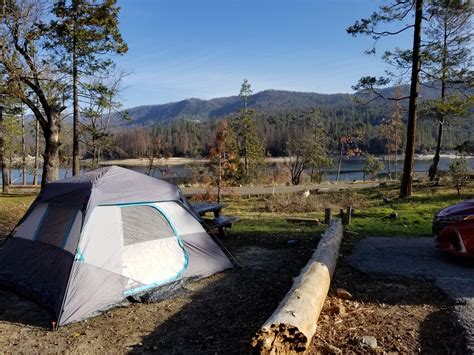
column 453, row 229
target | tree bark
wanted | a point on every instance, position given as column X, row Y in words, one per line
column 51, row 150
column 75, row 102
column 434, row 167
column 339, row 165
column 293, row 324
column 37, row 142
column 389, row 162
column 23, row 145
column 5, row 175
column 407, row 179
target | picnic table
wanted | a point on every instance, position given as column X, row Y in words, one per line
column 218, row 221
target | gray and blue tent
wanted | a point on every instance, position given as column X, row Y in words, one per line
column 88, row 243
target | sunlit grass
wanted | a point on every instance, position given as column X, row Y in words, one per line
column 12, row 208
column 371, row 217
column 415, row 214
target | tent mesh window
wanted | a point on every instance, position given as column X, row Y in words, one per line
column 56, row 225
column 144, row 223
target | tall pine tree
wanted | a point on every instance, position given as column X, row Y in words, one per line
column 448, row 63
column 82, row 34
column 249, row 142
column 396, row 12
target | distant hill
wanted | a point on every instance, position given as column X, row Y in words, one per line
column 268, row 101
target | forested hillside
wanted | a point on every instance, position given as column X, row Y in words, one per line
column 187, row 128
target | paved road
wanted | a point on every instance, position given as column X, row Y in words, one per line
column 267, row 190
column 418, row 258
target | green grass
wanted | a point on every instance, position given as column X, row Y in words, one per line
column 372, row 214
column 371, row 218
column 415, row 214
column 12, row 208
column 276, row 227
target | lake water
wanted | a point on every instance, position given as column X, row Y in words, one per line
column 351, row 169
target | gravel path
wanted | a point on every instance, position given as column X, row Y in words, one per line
column 418, row 258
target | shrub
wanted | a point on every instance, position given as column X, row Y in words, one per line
column 296, row 203
column 459, row 172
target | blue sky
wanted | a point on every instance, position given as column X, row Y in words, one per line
column 205, row 48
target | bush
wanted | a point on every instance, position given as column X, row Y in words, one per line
column 459, row 172
column 296, row 203
column 372, row 167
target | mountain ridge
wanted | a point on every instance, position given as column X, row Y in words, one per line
column 269, row 100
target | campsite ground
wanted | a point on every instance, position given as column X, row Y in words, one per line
column 221, row 313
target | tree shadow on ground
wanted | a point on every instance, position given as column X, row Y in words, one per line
column 23, row 311
column 224, row 316
column 397, row 306
column 434, row 327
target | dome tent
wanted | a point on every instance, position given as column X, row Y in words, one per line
column 88, row 242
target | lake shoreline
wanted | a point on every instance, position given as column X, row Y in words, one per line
column 175, row 161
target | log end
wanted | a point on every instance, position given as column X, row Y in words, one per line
column 279, row 339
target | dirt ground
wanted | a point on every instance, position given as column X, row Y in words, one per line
column 404, row 316
column 220, row 314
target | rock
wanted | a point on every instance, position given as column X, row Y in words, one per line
column 331, row 349
column 368, row 340
column 343, row 294
column 155, row 347
column 338, row 309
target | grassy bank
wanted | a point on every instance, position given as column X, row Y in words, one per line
column 378, row 211
column 12, row 208
column 266, row 215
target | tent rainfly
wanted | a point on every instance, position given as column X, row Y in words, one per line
column 89, row 242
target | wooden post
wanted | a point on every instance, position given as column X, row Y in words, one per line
column 327, row 215
column 342, row 215
column 293, row 324
column 348, row 215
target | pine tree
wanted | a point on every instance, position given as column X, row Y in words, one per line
column 82, row 33
column 391, row 132
column 30, row 74
column 396, row 12
column 448, row 61
column 224, row 158
column 249, row 142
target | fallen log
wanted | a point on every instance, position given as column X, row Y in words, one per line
column 303, row 220
column 292, row 325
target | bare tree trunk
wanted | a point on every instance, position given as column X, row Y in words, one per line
column 407, row 180
column 291, row 327
column 51, row 149
column 23, row 145
column 219, row 180
column 75, row 103
column 339, row 166
column 434, row 167
column 389, row 162
column 9, row 169
column 37, row 141
column 2, row 154
column 396, row 163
